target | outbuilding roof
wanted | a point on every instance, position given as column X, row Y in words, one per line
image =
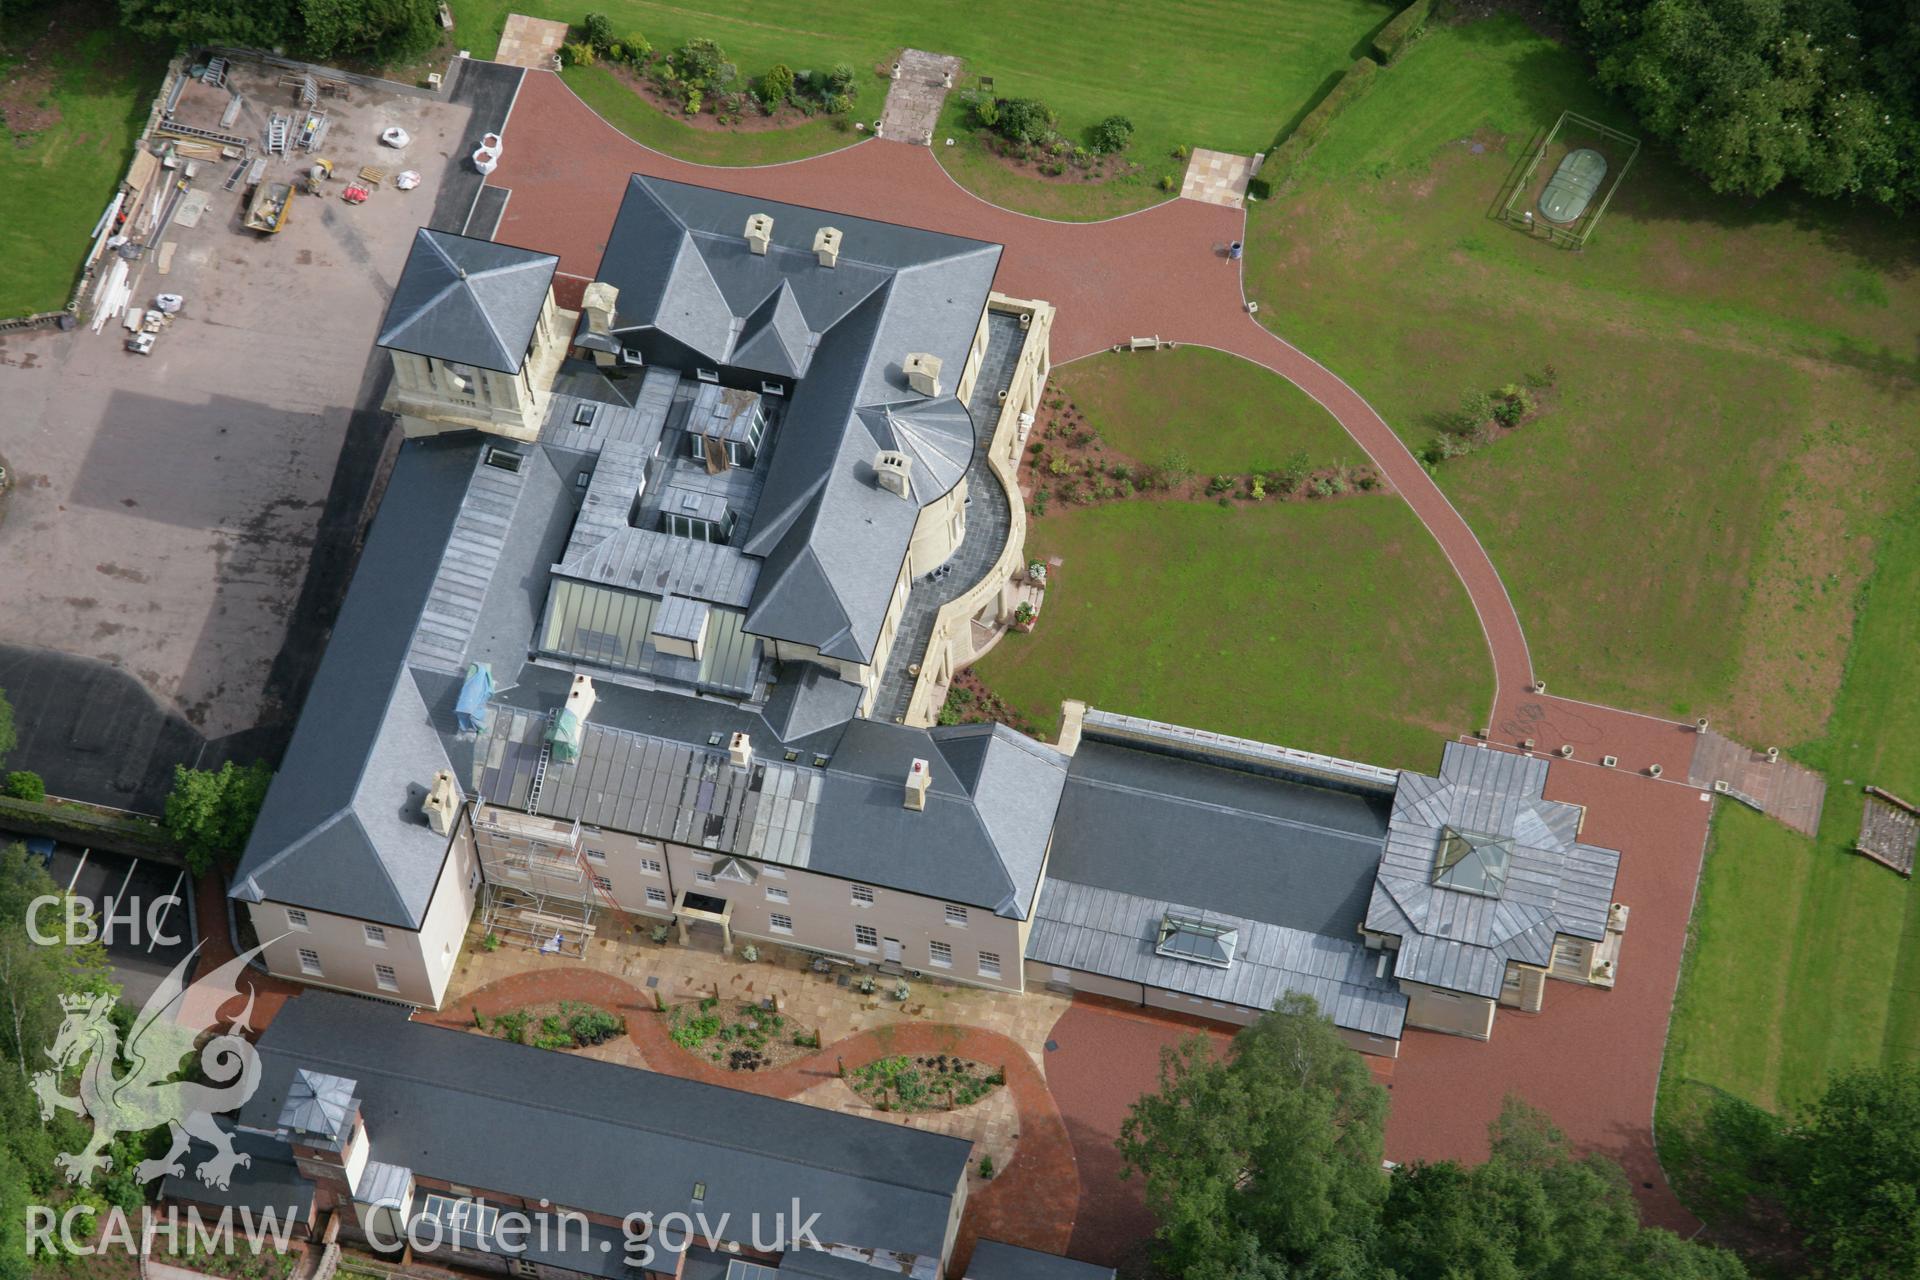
column 468, row 301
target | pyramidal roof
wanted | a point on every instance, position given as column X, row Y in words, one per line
column 468, row 301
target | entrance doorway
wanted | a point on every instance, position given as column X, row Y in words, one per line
column 893, row 951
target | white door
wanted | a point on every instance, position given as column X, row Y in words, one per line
column 894, row 953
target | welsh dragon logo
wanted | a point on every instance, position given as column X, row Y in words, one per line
column 145, row 1097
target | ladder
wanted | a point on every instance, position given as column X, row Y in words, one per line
column 309, row 91
column 312, row 130
column 540, row 769
column 204, row 135
column 239, row 172
column 216, row 75
column 277, row 134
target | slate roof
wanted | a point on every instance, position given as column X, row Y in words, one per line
column 1144, row 832
column 831, row 538
column 468, row 301
column 608, row 1139
column 1462, row 941
column 995, row 1261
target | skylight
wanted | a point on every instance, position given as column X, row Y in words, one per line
column 1472, row 862
column 1190, row 938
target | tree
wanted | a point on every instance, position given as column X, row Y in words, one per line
column 1753, row 93
column 383, row 30
column 1265, row 1162
column 256, row 24
column 597, row 30
column 777, row 85
column 1111, row 136
column 8, row 738
column 24, row 784
column 210, row 814
column 1853, row 1184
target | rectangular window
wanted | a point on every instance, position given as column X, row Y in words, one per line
column 376, row 936
column 780, row 923
column 957, row 915
column 386, row 978
column 989, row 964
column 862, row 895
column 310, row 963
column 776, row 894
column 596, row 855
column 941, row 953
column 707, row 375
column 866, row 937
column 296, row 919
column 603, row 884
column 704, row 877
column 504, row 459
column 658, row 897
column 651, row 866
column 584, row 414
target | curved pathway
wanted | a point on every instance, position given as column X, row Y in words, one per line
column 1031, row 1202
column 1162, row 271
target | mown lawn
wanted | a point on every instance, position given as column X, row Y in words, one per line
column 79, row 97
column 1227, row 74
column 1331, row 626
column 1805, row 958
column 1686, row 530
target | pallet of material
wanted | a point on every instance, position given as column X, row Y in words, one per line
column 1889, row 831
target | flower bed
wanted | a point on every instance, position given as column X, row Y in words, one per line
column 752, row 1038
column 566, row 1025
column 933, row 1082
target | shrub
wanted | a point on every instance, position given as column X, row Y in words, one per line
column 575, row 54
column 699, row 62
column 986, row 1167
column 839, row 79
column 693, row 102
column 750, row 953
column 25, row 784
column 1025, row 120
column 1219, row 484
column 1112, row 135
column 596, row 29
column 1180, row 152
column 1039, row 504
column 1259, row 189
column 777, row 85
column 210, row 814
column 840, row 104
column 1404, row 28
column 637, row 47
column 1167, row 183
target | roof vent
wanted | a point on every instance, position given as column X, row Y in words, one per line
column 760, row 233
column 826, row 246
column 740, row 751
column 442, row 805
column 894, row 471
column 919, row 777
column 923, row 373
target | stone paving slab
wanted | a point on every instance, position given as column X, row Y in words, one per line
column 530, row 42
column 1217, row 177
column 916, row 96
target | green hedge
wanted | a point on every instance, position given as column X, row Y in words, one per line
column 1298, row 144
column 1403, row 30
column 82, row 825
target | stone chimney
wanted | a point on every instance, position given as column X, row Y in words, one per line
column 598, row 302
column 740, row 751
column 442, row 805
column 919, row 777
column 923, row 373
column 826, row 246
column 894, row 472
column 760, row 233
column 581, row 697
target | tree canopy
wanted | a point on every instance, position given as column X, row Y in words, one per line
column 210, row 813
column 1754, row 93
column 377, row 30
column 1853, row 1174
column 8, row 738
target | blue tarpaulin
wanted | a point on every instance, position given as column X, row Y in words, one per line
column 470, row 713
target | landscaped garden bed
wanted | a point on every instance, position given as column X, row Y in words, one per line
column 568, row 1024
column 237, row 1263
column 931, row 1082
column 748, row 1037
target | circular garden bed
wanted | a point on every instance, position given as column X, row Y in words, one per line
column 931, row 1082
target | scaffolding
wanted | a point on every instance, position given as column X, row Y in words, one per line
column 538, row 890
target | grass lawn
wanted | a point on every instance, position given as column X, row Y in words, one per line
column 634, row 116
column 1227, row 74
column 1805, row 958
column 1226, row 414
column 74, row 103
column 1331, row 626
column 1687, row 529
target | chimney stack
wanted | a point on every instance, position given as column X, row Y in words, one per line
column 923, row 373
column 740, row 751
column 759, row 233
column 598, row 302
column 442, row 805
column 894, row 472
column 918, row 779
column 826, row 246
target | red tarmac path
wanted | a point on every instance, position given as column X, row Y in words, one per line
column 1592, row 1057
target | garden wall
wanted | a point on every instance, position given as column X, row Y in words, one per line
column 88, row 827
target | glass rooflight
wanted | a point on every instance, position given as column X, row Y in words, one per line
column 1472, row 862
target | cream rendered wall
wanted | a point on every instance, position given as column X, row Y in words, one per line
column 430, row 398
column 422, row 962
column 937, row 531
